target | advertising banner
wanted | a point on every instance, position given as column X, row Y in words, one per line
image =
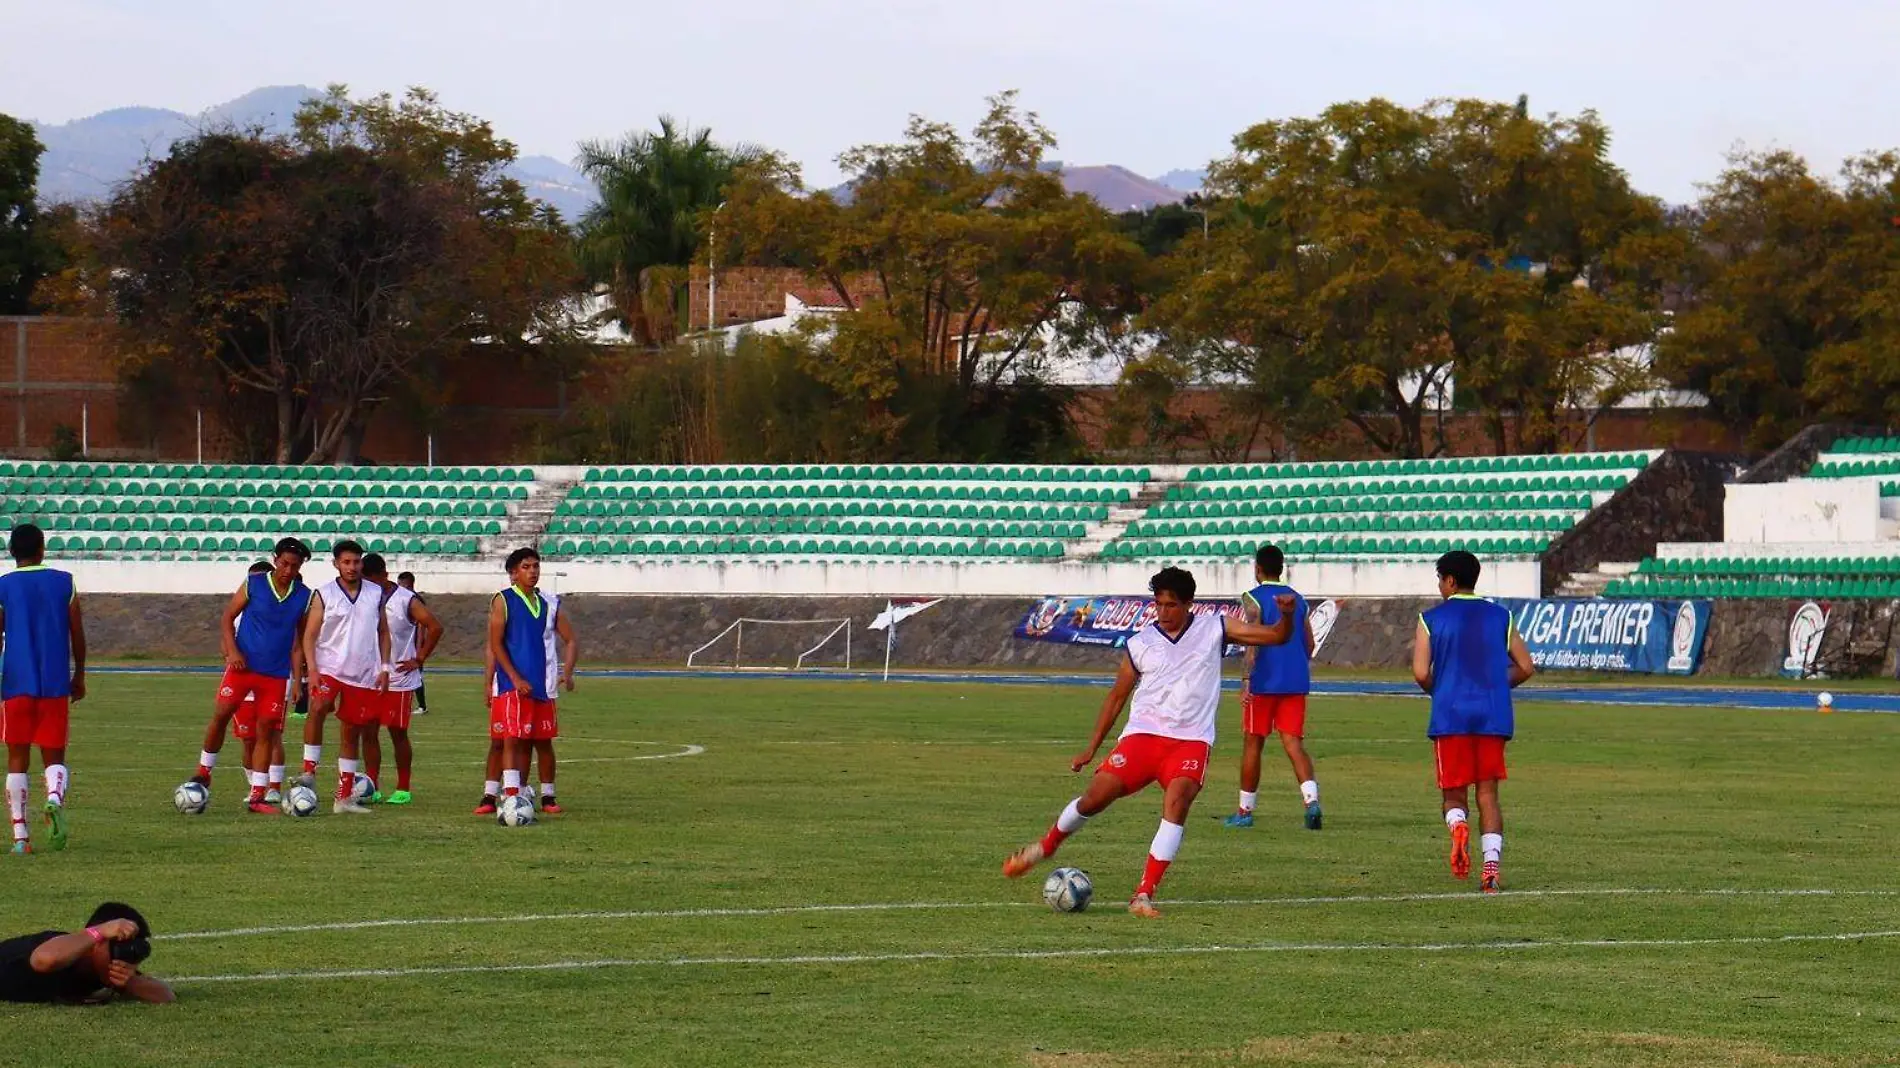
column 1648, row 637
column 1806, row 627
column 1111, row 621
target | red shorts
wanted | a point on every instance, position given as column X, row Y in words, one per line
column 1464, row 759
column 397, row 706
column 1140, row 759
column 260, row 700
column 511, row 715
column 358, row 706
column 37, row 721
column 1264, row 713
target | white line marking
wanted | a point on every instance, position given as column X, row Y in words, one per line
column 1044, row 954
column 685, row 750
column 925, row 906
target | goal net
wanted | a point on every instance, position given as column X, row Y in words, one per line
column 777, row 644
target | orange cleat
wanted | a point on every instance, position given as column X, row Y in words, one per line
column 1490, row 882
column 1461, row 851
column 1144, row 906
column 1017, row 864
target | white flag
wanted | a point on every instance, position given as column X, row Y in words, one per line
column 896, row 612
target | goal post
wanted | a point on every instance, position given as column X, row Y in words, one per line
column 777, row 644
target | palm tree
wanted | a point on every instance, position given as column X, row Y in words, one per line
column 654, row 188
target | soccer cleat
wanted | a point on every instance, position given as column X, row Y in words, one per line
column 298, row 716
column 549, row 805
column 22, row 848
column 308, row 778
column 264, row 808
column 1312, row 816
column 487, row 805
column 1238, row 819
column 1018, row 863
column 344, row 804
column 274, row 796
column 1144, row 906
column 375, row 798
column 55, row 824
column 202, row 780
column 1460, row 851
column 400, row 797
column 1489, row 881
column 420, row 711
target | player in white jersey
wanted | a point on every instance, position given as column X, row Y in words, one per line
column 346, row 644
column 413, row 635
column 1173, row 669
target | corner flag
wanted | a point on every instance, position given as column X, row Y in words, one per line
column 894, row 612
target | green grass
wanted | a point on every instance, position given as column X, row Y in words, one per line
column 819, row 794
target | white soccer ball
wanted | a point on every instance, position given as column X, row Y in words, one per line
column 514, row 812
column 1824, row 700
column 362, row 787
column 300, row 801
column 1068, row 890
column 191, row 798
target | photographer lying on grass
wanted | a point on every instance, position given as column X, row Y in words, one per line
column 89, row 966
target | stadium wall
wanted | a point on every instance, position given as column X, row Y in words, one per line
column 1747, row 638
column 1679, row 497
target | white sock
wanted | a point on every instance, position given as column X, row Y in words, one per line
column 491, row 788
column 207, row 758
column 510, row 781
column 56, row 783
column 346, row 766
column 1247, row 799
column 1309, row 792
column 1167, row 841
column 276, row 775
column 1454, row 817
column 1071, row 819
column 313, row 753
column 255, row 778
column 1493, row 846
column 547, row 789
column 16, row 803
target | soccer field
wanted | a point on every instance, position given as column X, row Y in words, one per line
column 767, row 872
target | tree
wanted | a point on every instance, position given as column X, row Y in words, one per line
column 1794, row 300
column 1355, row 260
column 21, row 244
column 961, row 262
column 327, row 270
column 655, row 189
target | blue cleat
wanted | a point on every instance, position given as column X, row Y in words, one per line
column 1239, row 819
column 1312, row 816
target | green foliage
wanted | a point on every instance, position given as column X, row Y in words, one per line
column 22, row 248
column 66, row 445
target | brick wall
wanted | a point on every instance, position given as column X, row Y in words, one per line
column 749, row 294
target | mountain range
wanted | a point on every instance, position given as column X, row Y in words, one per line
column 85, row 158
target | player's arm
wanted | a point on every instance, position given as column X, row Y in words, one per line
column 431, row 629
column 497, row 649
column 227, row 628
column 1521, row 667
column 1250, row 613
column 312, row 626
column 76, row 630
column 570, row 650
column 1125, row 680
column 1422, row 656
column 1312, row 643
column 138, row 986
column 1241, row 632
column 382, row 643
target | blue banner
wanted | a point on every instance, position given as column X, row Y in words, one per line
column 1108, row 621
column 1648, row 637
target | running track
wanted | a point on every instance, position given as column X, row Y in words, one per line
column 1617, row 694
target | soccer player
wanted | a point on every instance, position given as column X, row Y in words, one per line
column 1173, row 669
column 1273, row 695
column 408, row 617
column 263, row 661
column 523, row 625
column 86, row 966
column 42, row 672
column 346, row 643
column 1468, row 655
column 407, row 580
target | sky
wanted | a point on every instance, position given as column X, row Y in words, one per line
column 1150, row 85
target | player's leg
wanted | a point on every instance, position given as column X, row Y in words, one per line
column 352, row 728
column 1103, row 790
column 1490, row 812
column 49, row 733
column 222, row 710
column 373, row 758
column 325, row 694
column 1181, row 776
column 1291, row 723
column 547, row 727
column 422, row 697
column 274, row 769
column 1456, row 804
column 16, row 726
column 491, row 786
column 1250, row 747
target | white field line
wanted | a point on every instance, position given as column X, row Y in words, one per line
column 1046, row 954
column 682, row 750
column 926, row 906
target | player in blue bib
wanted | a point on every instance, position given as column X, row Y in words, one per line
column 1273, row 696
column 43, row 671
column 1468, row 655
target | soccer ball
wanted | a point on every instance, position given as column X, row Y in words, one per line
column 362, row 787
column 300, row 801
column 1824, row 701
column 514, row 812
column 191, row 799
column 1068, row 890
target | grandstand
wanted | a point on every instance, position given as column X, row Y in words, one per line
column 1350, row 528
column 1832, row 534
